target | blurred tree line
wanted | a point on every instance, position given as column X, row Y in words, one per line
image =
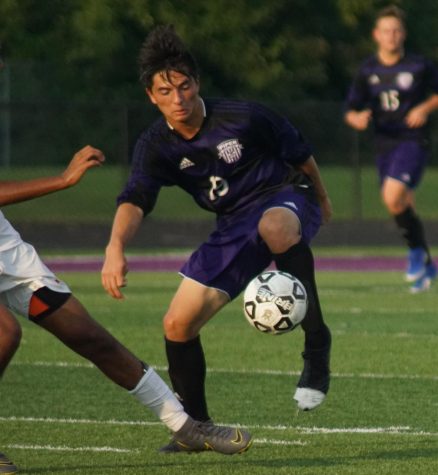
column 276, row 51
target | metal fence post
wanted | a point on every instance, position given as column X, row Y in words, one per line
column 356, row 192
column 5, row 115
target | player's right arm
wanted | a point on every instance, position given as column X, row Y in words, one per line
column 358, row 115
column 136, row 201
column 358, row 120
column 126, row 223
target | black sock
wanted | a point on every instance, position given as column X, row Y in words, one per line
column 413, row 230
column 187, row 371
column 298, row 261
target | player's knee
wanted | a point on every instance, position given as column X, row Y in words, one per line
column 279, row 234
column 177, row 330
column 394, row 205
column 395, row 198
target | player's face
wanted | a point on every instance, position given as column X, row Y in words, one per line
column 177, row 96
column 389, row 35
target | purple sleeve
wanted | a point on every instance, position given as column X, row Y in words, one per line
column 142, row 188
column 432, row 76
column 282, row 136
column 358, row 95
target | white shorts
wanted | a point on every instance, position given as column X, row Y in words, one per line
column 22, row 273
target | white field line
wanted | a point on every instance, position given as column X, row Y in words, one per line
column 115, row 450
column 280, row 442
column 381, row 311
column 64, row 448
column 391, row 430
column 254, row 371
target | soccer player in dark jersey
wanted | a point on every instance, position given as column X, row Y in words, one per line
column 396, row 92
column 250, row 167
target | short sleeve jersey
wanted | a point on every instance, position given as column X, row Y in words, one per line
column 391, row 91
column 9, row 237
column 242, row 151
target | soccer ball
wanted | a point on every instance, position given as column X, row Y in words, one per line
column 275, row 302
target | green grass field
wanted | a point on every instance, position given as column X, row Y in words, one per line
column 93, row 200
column 59, row 416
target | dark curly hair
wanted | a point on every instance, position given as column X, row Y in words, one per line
column 164, row 51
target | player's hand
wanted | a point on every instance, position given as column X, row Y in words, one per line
column 114, row 272
column 416, row 118
column 87, row 157
column 359, row 120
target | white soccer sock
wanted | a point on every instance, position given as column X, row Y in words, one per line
column 154, row 393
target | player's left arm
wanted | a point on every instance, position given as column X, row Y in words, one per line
column 418, row 115
column 310, row 168
column 22, row 190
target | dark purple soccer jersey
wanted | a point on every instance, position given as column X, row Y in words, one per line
column 391, row 91
column 242, row 151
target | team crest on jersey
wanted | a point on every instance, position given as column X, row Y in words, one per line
column 374, row 79
column 230, row 151
column 404, row 80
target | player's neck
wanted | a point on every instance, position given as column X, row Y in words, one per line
column 389, row 58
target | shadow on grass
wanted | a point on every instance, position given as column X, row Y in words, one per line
column 202, row 463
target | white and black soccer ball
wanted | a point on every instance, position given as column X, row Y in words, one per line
column 275, row 302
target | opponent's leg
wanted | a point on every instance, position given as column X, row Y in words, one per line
column 72, row 325
column 10, row 336
column 280, row 229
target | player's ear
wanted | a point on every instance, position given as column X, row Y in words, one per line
column 151, row 96
column 405, row 33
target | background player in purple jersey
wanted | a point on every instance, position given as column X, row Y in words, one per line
column 29, row 288
column 253, row 169
column 397, row 92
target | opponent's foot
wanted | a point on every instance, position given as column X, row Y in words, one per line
column 416, row 264
column 6, row 466
column 424, row 283
column 314, row 382
column 197, row 436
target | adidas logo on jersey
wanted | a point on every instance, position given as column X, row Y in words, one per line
column 185, row 163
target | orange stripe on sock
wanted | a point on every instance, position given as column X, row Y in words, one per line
column 36, row 306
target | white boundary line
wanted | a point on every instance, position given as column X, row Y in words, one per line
column 391, row 430
column 64, row 448
column 280, row 442
column 266, row 372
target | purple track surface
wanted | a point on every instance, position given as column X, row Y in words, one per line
column 174, row 263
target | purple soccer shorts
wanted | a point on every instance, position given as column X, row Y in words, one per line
column 234, row 253
column 405, row 162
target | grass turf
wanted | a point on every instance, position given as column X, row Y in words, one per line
column 58, row 415
column 93, row 199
